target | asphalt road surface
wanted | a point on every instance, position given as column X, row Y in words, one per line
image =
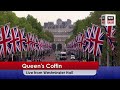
column 52, row 58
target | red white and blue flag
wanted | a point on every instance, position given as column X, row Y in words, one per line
column 88, row 39
column 22, row 40
column 29, row 41
column 36, row 43
column 81, row 43
column 110, row 32
column 97, row 38
column 40, row 44
column 15, row 44
column 5, row 40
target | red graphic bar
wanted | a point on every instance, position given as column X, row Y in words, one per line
column 48, row 65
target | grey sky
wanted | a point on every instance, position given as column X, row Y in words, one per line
column 52, row 16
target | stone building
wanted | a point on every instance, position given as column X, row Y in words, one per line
column 61, row 31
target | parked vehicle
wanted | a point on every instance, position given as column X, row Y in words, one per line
column 57, row 56
column 61, row 56
column 72, row 57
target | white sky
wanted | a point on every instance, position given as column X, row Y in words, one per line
column 52, row 16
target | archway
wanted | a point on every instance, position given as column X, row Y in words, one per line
column 54, row 47
column 59, row 47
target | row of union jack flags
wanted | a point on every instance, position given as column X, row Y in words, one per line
column 14, row 40
column 92, row 39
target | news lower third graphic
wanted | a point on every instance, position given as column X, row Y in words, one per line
column 52, row 68
column 58, row 72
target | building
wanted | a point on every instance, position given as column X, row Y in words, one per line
column 61, row 30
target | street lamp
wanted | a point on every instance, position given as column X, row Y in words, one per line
column 108, row 20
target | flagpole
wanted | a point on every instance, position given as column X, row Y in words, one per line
column 40, row 54
column 99, row 60
column 94, row 58
column 21, row 55
column 85, row 56
column 4, row 56
column 107, row 53
column 88, row 56
column 80, row 54
column 12, row 57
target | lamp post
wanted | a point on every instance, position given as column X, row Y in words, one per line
column 108, row 20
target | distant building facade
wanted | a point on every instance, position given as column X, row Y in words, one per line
column 61, row 30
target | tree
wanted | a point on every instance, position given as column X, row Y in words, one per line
column 34, row 23
column 94, row 18
column 30, row 24
column 24, row 24
column 8, row 16
column 50, row 36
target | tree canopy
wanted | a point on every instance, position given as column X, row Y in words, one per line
column 94, row 18
column 30, row 24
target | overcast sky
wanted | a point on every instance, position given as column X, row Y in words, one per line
column 52, row 16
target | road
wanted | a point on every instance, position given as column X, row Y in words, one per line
column 52, row 58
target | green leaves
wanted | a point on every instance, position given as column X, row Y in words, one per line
column 94, row 18
column 30, row 24
column 8, row 16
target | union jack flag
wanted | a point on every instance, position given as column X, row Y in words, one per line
column 88, row 39
column 78, row 37
column 22, row 40
column 110, row 32
column 1, row 50
column 36, row 43
column 84, row 41
column 93, row 30
column 81, row 43
column 45, row 44
column 40, row 44
column 73, row 44
column 50, row 46
column 5, row 40
column 97, row 41
column 29, row 41
column 32, row 42
column 15, row 44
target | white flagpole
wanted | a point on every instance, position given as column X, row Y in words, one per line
column 12, row 57
column 99, row 60
column 94, row 58
column 107, row 53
